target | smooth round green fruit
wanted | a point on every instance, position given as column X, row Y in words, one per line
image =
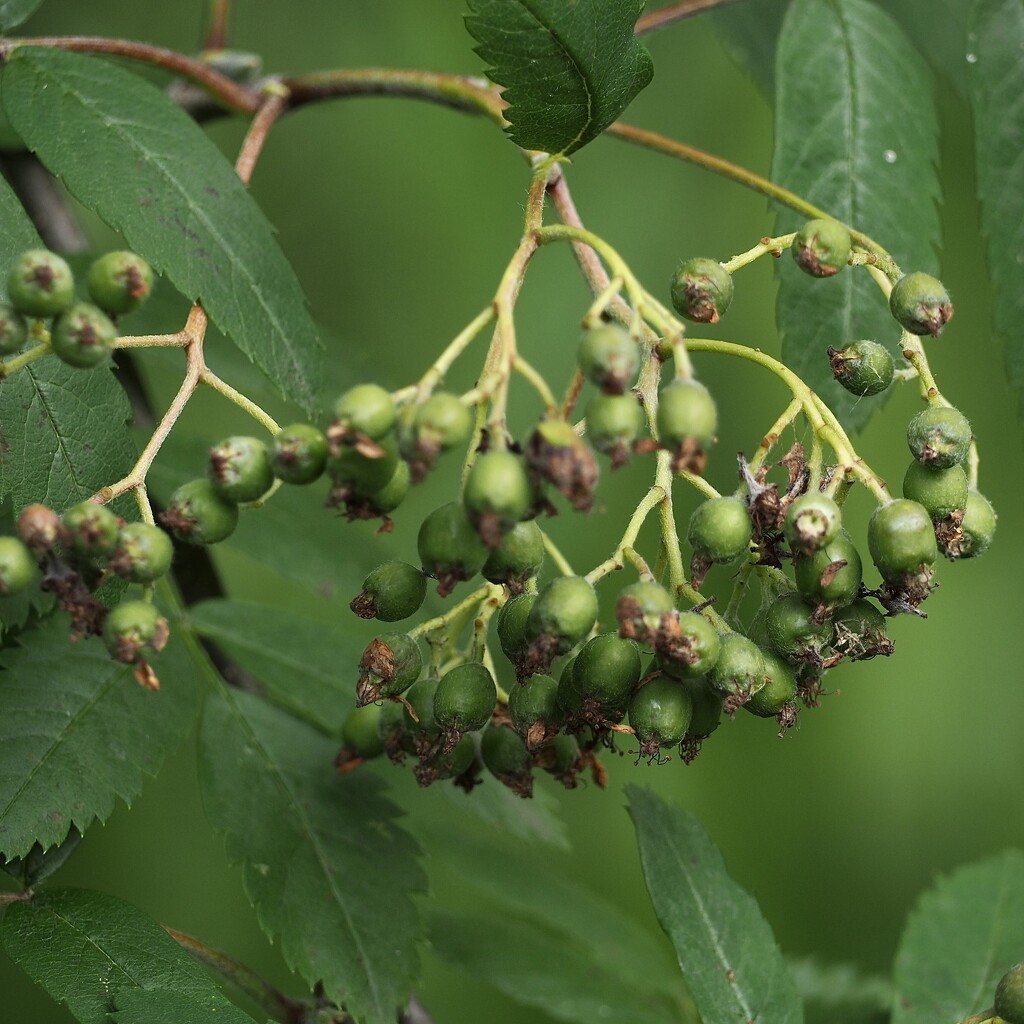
column 707, row 705
column 561, row 758
column 441, row 423
column 198, row 514
column 390, row 664
column 607, row 670
column 387, row 498
column 859, row 632
column 13, row 330
column 518, row 557
column 17, row 566
column 822, row 580
column 512, row 625
column 694, row 647
column 143, row 554
column 361, row 475
column 778, row 692
column 609, row 357
column 821, row 248
column 83, row 336
column 534, row 709
column 360, row 732
column 792, row 632
column 1009, row 1001
column 40, row 284
column 91, row 530
column 505, row 756
column 702, row 290
column 941, row 491
column 614, row 422
column 239, row 469
column 449, row 547
column 565, row 610
column 901, row 538
column 812, row 521
column 496, row 494
column 864, row 368
column 920, row 304
column 120, row 282
column 464, row 698
column 687, row 414
column 392, row 591
column 660, row 713
column 298, row 454
column 939, row 437
column 720, row 529
column 423, row 730
column 740, row 670
column 979, row 526
column 366, row 409
column 134, row 630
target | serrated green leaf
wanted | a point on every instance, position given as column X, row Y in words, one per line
column 728, row 955
column 856, row 134
column 38, row 864
column 996, row 80
column 749, row 32
column 14, row 12
column 959, row 940
column 567, row 69
column 170, row 192
column 326, row 865
column 305, row 667
column 98, row 954
column 77, row 732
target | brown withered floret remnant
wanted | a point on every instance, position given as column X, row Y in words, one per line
column 376, row 668
column 768, row 505
column 556, row 454
column 949, row 533
column 358, row 507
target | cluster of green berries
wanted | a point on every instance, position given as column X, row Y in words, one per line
column 41, row 288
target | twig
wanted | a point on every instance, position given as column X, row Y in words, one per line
column 666, row 16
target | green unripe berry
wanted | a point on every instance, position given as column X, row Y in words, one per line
column 496, row 494
column 359, row 474
column 941, row 491
column 569, row 696
column 792, row 632
column 392, row 591
column 979, row 526
column 859, row 632
column 561, row 758
column 120, row 282
column 83, row 336
column 565, row 611
column 517, row 558
column 702, row 290
column 607, row 670
column 778, row 695
column 920, row 304
column 91, row 530
column 821, row 248
column 17, row 566
column 660, row 713
column 822, row 580
column 720, row 530
column 421, row 731
column 390, row 664
column 639, row 609
column 143, row 553
column 692, row 648
column 449, row 548
column 534, row 709
column 512, row 625
column 812, row 521
column 366, row 409
column 505, row 756
column 609, row 357
column 444, row 763
column 198, row 514
column 1009, row 1001
column 135, row 630
column 360, row 732
column 464, row 698
column 390, row 725
column 739, row 671
column 40, row 284
column 864, row 368
column 239, row 469
column 901, row 538
column 392, row 494
column 13, row 330
column 614, row 422
column 441, row 423
column 707, row 705
column 298, row 454
column 939, row 437
column 687, row 414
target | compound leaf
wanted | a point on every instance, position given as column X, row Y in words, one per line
column 728, row 955
column 326, row 866
column 846, row 77
column 959, row 940
column 996, row 80
column 568, row 69
column 170, row 192
column 100, row 954
column 14, row 12
column 77, row 732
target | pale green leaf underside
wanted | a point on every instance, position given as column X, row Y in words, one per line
column 149, row 171
column 14, row 12
column 77, row 732
column 97, row 954
column 996, row 82
column 568, row 68
column 728, row 955
column 856, row 134
column 326, row 866
column 960, row 939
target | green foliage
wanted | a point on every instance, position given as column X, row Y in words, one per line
column 14, row 12
column 568, row 70
column 107, row 960
column 842, row 143
column 189, row 216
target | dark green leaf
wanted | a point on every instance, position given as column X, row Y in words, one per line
column 960, row 939
column 997, row 95
column 939, row 29
column 97, row 954
column 14, row 12
column 38, row 863
column 307, row 668
column 327, row 867
column 77, row 732
column 170, row 192
column 856, row 134
column 749, row 32
column 728, row 955
column 567, row 69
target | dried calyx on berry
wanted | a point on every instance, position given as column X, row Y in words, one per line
column 393, row 591
column 920, row 304
column 556, row 454
column 702, row 290
column 821, row 248
column 864, row 368
column 390, row 664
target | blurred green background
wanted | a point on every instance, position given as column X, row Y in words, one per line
column 399, row 218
